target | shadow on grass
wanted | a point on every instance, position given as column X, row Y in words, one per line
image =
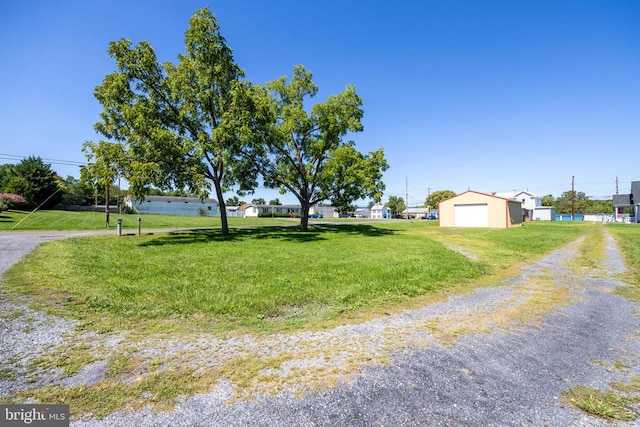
column 316, row 232
column 7, row 218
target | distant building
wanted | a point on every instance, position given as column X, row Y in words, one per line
column 631, row 200
column 532, row 208
column 417, row 212
column 379, row 212
column 173, row 205
column 474, row 209
column 252, row 210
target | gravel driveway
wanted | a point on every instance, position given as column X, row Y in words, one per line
column 488, row 358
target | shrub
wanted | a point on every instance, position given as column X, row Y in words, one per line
column 278, row 215
column 10, row 201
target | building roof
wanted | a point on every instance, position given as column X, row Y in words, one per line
column 509, row 199
column 628, row 199
column 513, row 194
column 622, row 200
column 419, row 209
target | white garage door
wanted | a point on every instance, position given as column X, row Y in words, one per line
column 476, row 215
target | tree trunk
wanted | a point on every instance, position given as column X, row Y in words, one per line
column 223, row 209
column 304, row 216
column 106, row 207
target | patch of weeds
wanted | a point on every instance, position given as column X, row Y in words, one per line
column 630, row 292
column 620, row 365
column 244, row 371
column 161, row 390
column 7, row 373
column 120, row 365
column 13, row 314
column 606, row 404
column 632, row 387
column 69, row 359
column 591, row 252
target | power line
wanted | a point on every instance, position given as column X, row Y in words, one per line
column 52, row 161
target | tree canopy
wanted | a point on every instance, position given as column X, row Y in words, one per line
column 198, row 123
column 548, row 200
column 581, row 204
column 437, row 196
column 396, row 205
column 306, row 153
column 234, row 201
column 106, row 161
column 34, row 180
column 180, row 125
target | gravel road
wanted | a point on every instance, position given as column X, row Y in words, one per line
column 499, row 356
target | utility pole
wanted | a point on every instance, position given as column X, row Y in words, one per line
column 428, row 201
column 406, row 194
column 573, row 197
column 616, row 185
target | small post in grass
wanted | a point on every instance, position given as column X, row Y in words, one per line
column 139, row 225
column 119, row 227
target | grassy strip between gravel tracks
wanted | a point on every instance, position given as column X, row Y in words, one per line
column 268, row 279
column 628, row 237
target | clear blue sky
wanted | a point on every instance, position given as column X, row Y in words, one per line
column 487, row 95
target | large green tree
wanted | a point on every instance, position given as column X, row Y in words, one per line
column 76, row 192
column 396, row 205
column 5, row 175
column 35, row 181
column 306, row 153
column 438, row 196
column 581, row 204
column 548, row 200
column 578, row 200
column 106, row 161
column 182, row 125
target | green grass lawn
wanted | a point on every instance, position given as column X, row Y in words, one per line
column 64, row 220
column 628, row 237
column 269, row 278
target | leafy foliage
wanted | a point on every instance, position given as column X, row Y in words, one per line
column 548, row 200
column 76, row 192
column 396, row 205
column 34, row 180
column 10, row 201
column 234, row 201
column 306, row 153
column 581, row 204
column 182, row 125
column 438, row 196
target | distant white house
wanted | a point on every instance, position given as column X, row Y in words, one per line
column 544, row 213
column 531, row 205
column 234, row 211
column 172, row 205
column 379, row 212
column 252, row 210
column 417, row 212
column 324, row 211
